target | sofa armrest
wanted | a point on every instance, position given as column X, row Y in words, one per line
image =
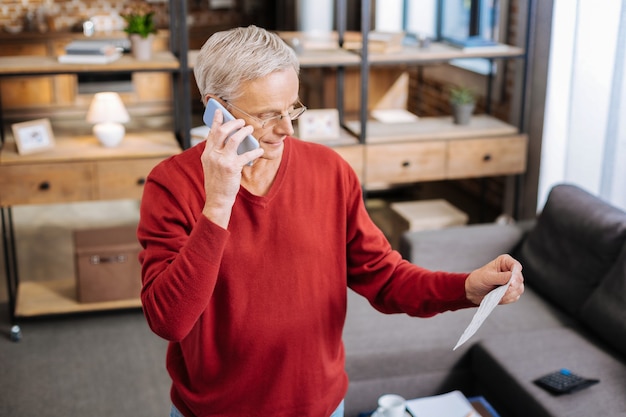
column 461, row 248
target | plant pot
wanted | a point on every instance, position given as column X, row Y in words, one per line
column 462, row 113
column 141, row 47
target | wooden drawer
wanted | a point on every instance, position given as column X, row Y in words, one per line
column 353, row 154
column 46, row 183
column 404, row 163
column 123, row 178
column 487, row 157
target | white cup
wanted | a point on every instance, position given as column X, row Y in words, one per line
column 391, row 405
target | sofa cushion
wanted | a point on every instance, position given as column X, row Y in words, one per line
column 605, row 311
column 507, row 365
column 576, row 240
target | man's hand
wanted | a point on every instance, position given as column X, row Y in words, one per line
column 497, row 272
column 222, row 167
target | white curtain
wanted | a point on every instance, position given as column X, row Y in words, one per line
column 584, row 138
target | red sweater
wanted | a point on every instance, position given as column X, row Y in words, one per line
column 254, row 314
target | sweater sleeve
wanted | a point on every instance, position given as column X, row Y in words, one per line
column 390, row 283
column 181, row 254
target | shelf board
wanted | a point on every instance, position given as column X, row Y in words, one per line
column 47, row 65
column 436, row 52
column 328, row 58
column 310, row 58
column 58, row 296
column 432, row 128
column 324, row 50
column 87, row 148
column 441, row 52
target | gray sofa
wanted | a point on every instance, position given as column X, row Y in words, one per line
column 572, row 315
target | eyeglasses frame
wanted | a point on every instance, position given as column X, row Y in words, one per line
column 293, row 115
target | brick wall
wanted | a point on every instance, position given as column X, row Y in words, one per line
column 64, row 14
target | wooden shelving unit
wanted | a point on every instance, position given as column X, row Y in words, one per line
column 431, row 148
column 381, row 154
column 428, row 149
column 78, row 169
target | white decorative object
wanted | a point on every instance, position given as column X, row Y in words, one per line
column 319, row 125
column 107, row 112
column 33, row 136
column 141, row 47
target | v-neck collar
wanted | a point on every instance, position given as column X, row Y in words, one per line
column 281, row 174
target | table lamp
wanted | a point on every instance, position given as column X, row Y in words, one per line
column 108, row 113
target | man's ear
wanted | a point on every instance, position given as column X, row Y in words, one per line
column 206, row 98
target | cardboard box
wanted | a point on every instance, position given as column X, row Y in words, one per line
column 426, row 214
column 107, row 267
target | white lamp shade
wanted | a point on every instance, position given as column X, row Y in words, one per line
column 107, row 107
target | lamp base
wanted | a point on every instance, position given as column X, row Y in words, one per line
column 109, row 134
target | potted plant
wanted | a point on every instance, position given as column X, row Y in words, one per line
column 140, row 26
column 463, row 101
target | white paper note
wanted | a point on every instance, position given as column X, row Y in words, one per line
column 452, row 404
column 490, row 302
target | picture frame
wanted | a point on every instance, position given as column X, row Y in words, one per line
column 319, row 125
column 33, row 136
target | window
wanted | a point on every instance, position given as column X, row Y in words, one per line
column 463, row 19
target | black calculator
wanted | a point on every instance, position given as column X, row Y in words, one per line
column 564, row 381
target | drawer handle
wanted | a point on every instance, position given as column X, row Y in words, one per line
column 406, row 164
column 141, row 181
column 96, row 259
column 487, row 158
column 44, row 186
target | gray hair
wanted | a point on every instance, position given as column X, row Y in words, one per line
column 229, row 58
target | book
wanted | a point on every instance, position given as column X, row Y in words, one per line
column 91, row 48
column 88, row 58
column 476, row 44
column 393, row 115
column 378, row 42
column 453, row 403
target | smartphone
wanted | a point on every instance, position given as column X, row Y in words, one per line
column 249, row 143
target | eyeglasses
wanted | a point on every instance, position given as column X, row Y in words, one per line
column 292, row 114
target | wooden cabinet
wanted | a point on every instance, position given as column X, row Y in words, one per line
column 433, row 148
column 27, row 180
column 78, row 168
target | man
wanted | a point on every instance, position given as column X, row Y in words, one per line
column 246, row 267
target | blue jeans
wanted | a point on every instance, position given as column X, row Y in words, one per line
column 337, row 413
